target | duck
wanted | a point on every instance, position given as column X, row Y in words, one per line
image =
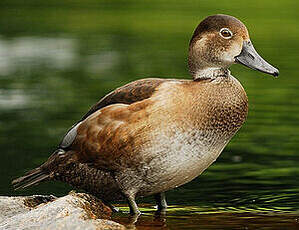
column 156, row 134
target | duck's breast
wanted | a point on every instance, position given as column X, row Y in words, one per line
column 193, row 123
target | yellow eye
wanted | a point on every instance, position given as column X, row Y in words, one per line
column 226, row 33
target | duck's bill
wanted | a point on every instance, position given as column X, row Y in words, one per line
column 250, row 58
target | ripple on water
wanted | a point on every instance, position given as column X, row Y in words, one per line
column 195, row 217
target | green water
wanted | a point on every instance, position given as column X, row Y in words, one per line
column 57, row 58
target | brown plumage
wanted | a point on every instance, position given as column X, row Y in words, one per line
column 152, row 135
column 128, row 94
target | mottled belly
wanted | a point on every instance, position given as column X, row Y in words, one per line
column 178, row 159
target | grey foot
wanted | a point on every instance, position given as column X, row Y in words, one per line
column 112, row 207
column 133, row 219
column 161, row 202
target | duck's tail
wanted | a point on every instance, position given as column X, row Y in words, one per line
column 32, row 177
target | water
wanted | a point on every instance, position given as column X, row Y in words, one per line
column 58, row 58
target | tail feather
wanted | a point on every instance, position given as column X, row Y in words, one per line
column 33, row 177
column 56, row 163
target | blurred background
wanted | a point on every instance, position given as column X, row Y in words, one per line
column 59, row 57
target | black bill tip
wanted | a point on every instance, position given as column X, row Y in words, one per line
column 276, row 73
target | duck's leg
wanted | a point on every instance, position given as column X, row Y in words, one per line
column 134, row 210
column 161, row 201
column 128, row 186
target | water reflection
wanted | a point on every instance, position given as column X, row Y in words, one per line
column 96, row 64
column 12, row 99
column 188, row 217
column 29, row 53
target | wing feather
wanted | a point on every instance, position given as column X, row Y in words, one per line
column 130, row 93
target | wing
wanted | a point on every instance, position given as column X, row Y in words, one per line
column 130, row 93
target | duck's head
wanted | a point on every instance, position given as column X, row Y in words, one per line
column 219, row 41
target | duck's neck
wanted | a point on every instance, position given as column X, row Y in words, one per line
column 210, row 73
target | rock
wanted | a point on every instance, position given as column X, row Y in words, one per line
column 74, row 211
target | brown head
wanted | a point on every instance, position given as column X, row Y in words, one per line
column 219, row 41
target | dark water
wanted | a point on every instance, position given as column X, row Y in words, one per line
column 57, row 58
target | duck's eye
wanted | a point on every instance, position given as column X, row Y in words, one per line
column 226, row 33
